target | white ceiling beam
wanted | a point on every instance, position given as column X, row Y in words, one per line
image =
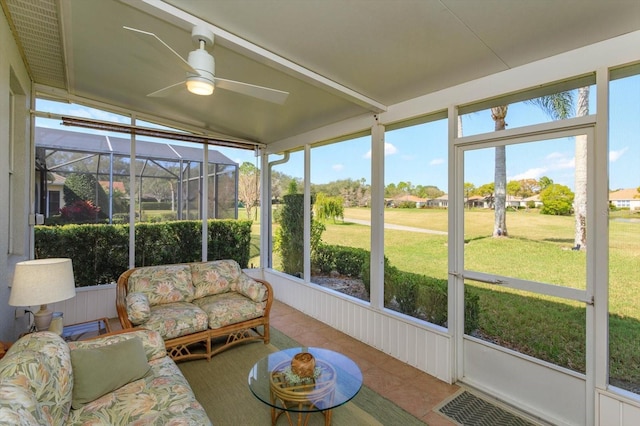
column 181, row 19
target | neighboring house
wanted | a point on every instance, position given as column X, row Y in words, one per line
column 534, row 198
column 117, row 186
column 54, row 200
column 441, row 202
column 476, row 201
column 409, row 199
column 625, row 199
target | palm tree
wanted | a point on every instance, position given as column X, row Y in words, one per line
column 500, row 197
column 580, row 199
column 559, row 106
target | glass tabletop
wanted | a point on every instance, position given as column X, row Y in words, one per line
column 337, row 379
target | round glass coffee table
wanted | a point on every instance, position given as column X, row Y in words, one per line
column 337, row 379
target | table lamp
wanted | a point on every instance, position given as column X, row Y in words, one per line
column 42, row 281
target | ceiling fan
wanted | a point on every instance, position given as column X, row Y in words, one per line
column 200, row 68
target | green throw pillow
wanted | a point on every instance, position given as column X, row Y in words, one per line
column 98, row 371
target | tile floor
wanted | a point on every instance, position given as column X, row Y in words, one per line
column 415, row 391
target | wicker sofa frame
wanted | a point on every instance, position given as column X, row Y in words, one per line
column 213, row 341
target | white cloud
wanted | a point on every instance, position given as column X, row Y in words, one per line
column 389, row 149
column 559, row 161
column 534, row 173
column 436, row 161
column 554, row 155
column 615, row 155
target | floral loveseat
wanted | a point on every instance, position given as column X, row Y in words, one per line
column 121, row 378
column 198, row 308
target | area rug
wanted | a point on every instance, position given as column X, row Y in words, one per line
column 221, row 387
column 467, row 409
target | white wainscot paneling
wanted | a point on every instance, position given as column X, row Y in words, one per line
column 90, row 303
column 551, row 393
column 416, row 344
column 616, row 410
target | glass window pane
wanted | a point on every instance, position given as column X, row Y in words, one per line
column 341, row 240
column 416, row 221
column 624, row 234
column 287, row 187
column 536, row 110
column 538, row 220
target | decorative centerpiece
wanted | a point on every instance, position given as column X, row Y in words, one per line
column 303, row 379
column 302, row 370
column 303, row 364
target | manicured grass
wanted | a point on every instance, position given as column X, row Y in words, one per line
column 539, row 249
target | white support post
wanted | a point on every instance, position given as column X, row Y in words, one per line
column 307, row 214
column 455, row 242
column 376, row 292
column 132, row 198
column 204, row 202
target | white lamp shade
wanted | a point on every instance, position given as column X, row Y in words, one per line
column 42, row 281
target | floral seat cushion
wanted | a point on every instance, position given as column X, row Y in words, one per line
column 229, row 308
column 173, row 320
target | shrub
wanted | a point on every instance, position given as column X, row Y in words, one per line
column 100, row 253
column 557, row 200
column 345, row 260
column 290, row 236
column 84, row 187
column 80, row 211
column 406, row 205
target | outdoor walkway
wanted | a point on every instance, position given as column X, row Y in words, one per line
column 396, row 227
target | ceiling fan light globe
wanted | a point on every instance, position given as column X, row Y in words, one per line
column 199, row 86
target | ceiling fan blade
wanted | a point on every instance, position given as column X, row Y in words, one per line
column 166, row 91
column 264, row 93
column 146, row 35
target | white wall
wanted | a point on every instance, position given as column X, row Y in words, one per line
column 13, row 78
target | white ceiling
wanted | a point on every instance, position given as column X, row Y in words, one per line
column 338, row 58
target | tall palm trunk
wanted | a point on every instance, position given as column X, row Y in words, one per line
column 580, row 199
column 500, row 184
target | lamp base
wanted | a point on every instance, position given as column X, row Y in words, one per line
column 42, row 318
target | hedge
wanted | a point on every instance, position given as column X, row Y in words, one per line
column 100, row 253
column 414, row 294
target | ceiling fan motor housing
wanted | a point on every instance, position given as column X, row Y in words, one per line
column 203, row 62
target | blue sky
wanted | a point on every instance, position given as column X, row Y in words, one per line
column 418, row 154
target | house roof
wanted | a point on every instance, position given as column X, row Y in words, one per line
column 338, row 60
column 624, row 194
column 408, row 197
column 66, row 140
column 117, row 186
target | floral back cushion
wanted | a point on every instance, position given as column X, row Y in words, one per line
column 251, row 288
column 138, row 308
column 214, row 277
column 163, row 283
column 152, row 342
